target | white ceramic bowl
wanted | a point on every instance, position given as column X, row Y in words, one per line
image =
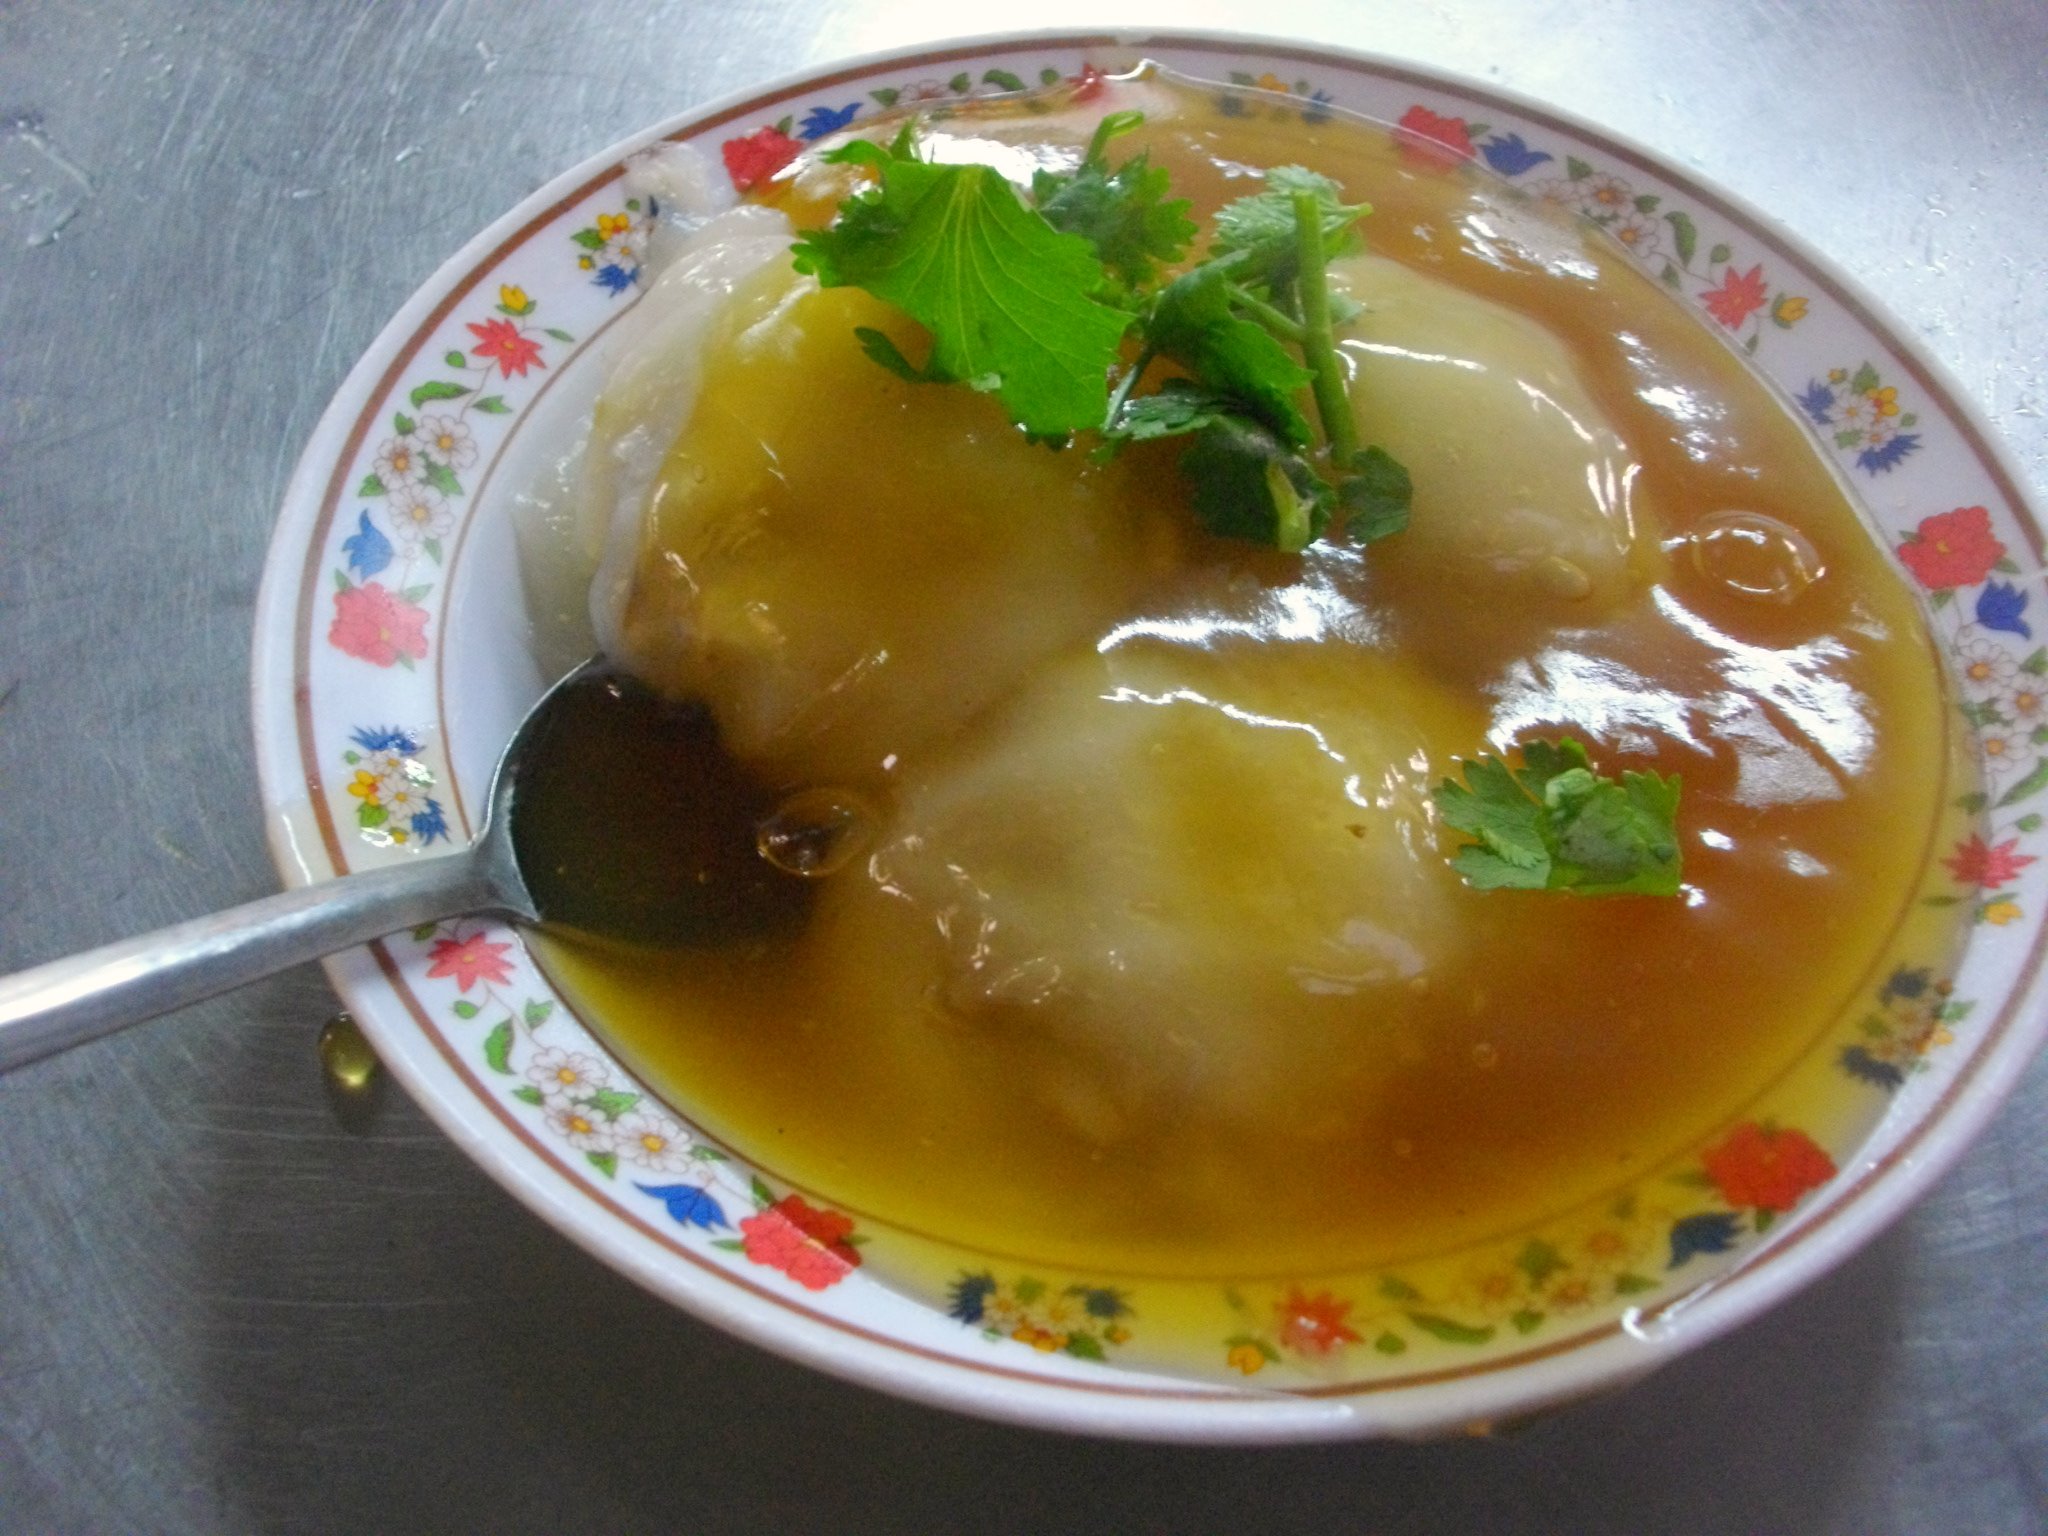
column 385, row 655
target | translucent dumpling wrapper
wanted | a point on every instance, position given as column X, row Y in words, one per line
column 1178, row 871
column 1525, row 496
column 845, row 565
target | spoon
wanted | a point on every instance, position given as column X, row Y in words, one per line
column 612, row 814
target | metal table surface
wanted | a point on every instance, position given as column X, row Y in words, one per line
column 223, row 1308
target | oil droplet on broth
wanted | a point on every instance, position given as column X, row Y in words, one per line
column 817, row 832
column 1755, row 556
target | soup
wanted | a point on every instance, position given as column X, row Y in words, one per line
column 1131, row 938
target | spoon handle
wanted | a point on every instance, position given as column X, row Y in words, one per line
column 50, row 1008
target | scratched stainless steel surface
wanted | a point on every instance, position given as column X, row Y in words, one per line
column 222, row 1308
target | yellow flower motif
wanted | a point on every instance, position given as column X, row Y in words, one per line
column 585, row 263
column 364, row 786
column 1999, row 913
column 1789, row 310
column 1942, row 1035
column 1271, row 82
column 1838, row 375
column 609, row 224
column 1247, row 1359
column 399, row 834
column 513, row 300
column 1886, row 400
column 1117, row 1333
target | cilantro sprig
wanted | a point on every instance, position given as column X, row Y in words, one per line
column 1007, row 298
column 1555, row 825
column 1036, row 303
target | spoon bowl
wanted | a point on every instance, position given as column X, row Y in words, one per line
column 590, row 824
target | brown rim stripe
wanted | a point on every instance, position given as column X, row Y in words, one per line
column 1987, row 457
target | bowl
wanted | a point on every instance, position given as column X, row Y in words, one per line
column 387, row 647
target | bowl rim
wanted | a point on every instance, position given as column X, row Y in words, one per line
column 1874, row 1193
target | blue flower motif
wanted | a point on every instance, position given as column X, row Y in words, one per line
column 430, row 822
column 967, row 1298
column 2000, row 605
column 1866, row 1068
column 1708, row 1232
column 616, row 279
column 1318, row 109
column 1818, row 402
column 386, row 739
column 1101, row 1301
column 820, row 121
column 688, row 1204
column 1506, row 153
column 368, row 550
column 1878, row 460
column 1907, row 982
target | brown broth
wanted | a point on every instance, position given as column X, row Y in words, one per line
column 1568, row 1045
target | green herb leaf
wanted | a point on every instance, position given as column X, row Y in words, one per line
column 1193, row 323
column 1006, row 297
column 1178, row 407
column 1375, row 496
column 498, row 1047
column 1248, row 484
column 1262, row 228
column 882, row 350
column 1556, row 825
column 1124, row 214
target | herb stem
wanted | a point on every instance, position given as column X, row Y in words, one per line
column 1318, row 339
column 1124, row 387
column 1282, row 325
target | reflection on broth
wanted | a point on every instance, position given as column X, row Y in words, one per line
column 1135, row 945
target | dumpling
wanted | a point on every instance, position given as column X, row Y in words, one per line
column 1172, row 871
column 1526, row 503
column 839, row 562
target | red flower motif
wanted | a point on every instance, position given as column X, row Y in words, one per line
column 1087, row 85
column 1740, row 295
column 1765, row 1169
column 470, row 960
column 808, row 1245
column 515, row 351
column 378, row 626
column 1314, row 1325
column 1952, row 549
column 1427, row 139
column 751, row 160
column 1976, row 863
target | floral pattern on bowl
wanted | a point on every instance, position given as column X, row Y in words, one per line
column 394, row 505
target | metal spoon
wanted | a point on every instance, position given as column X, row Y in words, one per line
column 611, row 812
